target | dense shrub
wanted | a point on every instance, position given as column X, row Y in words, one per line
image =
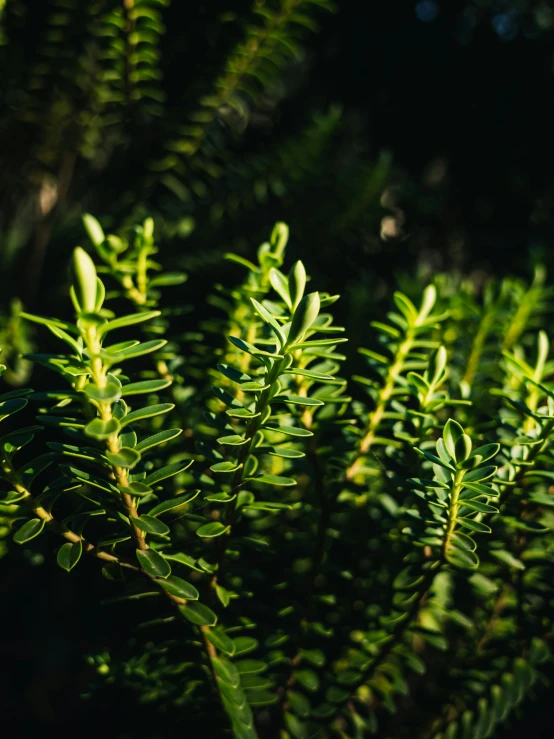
column 300, row 554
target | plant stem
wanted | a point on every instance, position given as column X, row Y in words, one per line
column 385, row 394
column 113, row 444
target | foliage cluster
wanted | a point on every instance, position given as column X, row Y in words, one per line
column 300, row 555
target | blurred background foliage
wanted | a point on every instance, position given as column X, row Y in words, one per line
column 397, row 139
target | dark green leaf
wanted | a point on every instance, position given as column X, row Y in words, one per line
column 277, row 480
column 159, row 438
column 107, row 394
column 69, row 554
column 150, row 525
column 29, row 530
column 148, row 412
column 172, row 503
column 168, row 279
column 129, row 320
column 153, row 563
column 298, row 400
column 99, row 429
column 473, row 525
column 212, row 529
column 246, row 666
column 199, row 614
column 308, row 679
column 225, row 467
column 9, row 407
column 244, row 644
column 226, row 671
column 168, row 471
column 262, row 698
column 179, row 587
column 125, row 457
column 220, row 640
column 144, row 386
column 288, row 430
column 146, row 347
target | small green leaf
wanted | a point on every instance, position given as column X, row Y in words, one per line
column 435, row 460
column 225, row 467
column 125, row 457
column 85, row 280
column 244, row 644
column 481, row 473
column 304, row 315
column 262, row 698
column 242, row 261
column 153, row 563
column 298, row 400
column 473, row 525
column 169, row 470
column 209, row 530
column 173, row 503
column 99, row 429
column 223, row 595
column 313, row 656
column 226, row 671
column 29, row 530
column 69, row 554
column 220, row 640
column 8, row 407
column 199, row 614
column 241, row 413
column 483, row 453
column 179, row 587
column 185, row 560
column 281, row 285
column 310, row 374
column 462, row 558
column 247, row 666
column 138, row 350
column 503, row 556
column 477, row 505
column 136, row 488
column 149, row 412
column 251, row 349
column 286, row 453
column 107, row 394
column 297, row 284
column 159, row 438
column 308, row 679
column 144, row 386
column 90, row 479
column 266, row 316
column 94, row 229
column 288, row 430
column 150, row 525
column 168, row 279
column 129, row 320
column 267, row 506
column 278, row 480
column 462, row 448
column 233, row 440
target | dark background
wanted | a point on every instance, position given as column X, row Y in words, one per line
column 460, row 95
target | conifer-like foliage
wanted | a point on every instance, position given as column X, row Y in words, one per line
column 299, row 555
column 136, row 107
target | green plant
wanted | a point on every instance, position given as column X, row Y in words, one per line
column 321, row 565
column 89, row 97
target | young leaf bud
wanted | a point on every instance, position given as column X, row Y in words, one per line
column 85, row 280
column 279, row 238
column 297, row 283
column 94, row 229
column 304, row 316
